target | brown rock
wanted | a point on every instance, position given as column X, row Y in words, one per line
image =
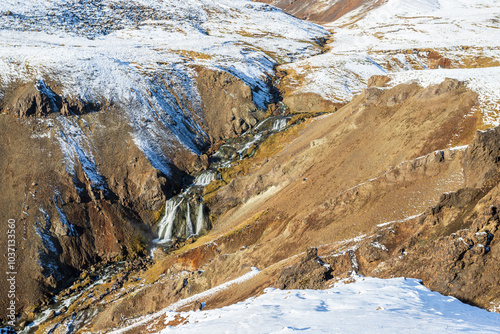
column 317, row 11
column 228, row 104
column 309, row 273
column 31, row 99
column 309, row 102
column 198, row 306
column 482, row 157
column 378, row 81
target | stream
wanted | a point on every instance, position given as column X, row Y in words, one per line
column 185, row 216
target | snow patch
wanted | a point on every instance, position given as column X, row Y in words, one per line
column 203, row 295
column 369, row 305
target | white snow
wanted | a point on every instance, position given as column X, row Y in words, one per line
column 378, row 245
column 77, row 147
column 369, row 305
column 168, row 310
column 141, row 55
column 396, row 38
column 401, row 220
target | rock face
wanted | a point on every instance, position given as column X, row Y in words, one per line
column 31, row 100
column 389, row 122
column 309, row 102
column 230, row 113
column 37, row 99
column 452, row 248
column 86, row 192
column 309, row 273
column 482, row 157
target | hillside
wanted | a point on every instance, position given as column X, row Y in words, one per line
column 423, row 41
column 196, row 160
column 107, row 107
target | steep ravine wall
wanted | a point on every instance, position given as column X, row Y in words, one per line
column 104, row 208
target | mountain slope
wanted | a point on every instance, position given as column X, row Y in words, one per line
column 390, row 178
column 367, row 305
column 322, row 11
column 324, row 183
column 106, row 108
column 424, row 41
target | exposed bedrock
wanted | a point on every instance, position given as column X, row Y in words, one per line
column 453, row 246
column 227, row 103
column 80, row 188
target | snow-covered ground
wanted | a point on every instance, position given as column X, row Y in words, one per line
column 140, row 55
column 396, row 39
column 369, row 305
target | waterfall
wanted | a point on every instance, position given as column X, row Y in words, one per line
column 200, row 219
column 205, row 178
column 189, row 223
column 166, row 226
column 178, row 220
column 279, row 124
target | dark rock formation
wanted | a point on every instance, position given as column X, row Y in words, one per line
column 309, row 273
column 38, row 99
column 74, row 209
column 31, row 100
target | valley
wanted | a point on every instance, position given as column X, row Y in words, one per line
column 187, row 158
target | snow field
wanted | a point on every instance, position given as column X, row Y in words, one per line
column 369, row 305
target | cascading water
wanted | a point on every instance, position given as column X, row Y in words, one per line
column 279, row 124
column 256, row 138
column 185, row 214
column 166, row 225
column 200, row 219
column 205, row 178
column 181, row 212
column 189, row 223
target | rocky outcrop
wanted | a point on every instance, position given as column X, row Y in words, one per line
column 37, row 99
column 309, row 273
column 481, row 160
column 228, row 104
column 452, row 248
column 31, row 100
column 309, row 102
column 81, row 189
